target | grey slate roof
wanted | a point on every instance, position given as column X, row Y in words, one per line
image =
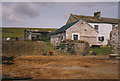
column 92, row 19
column 65, row 27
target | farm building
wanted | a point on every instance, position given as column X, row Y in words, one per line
column 37, row 35
column 114, row 39
column 93, row 29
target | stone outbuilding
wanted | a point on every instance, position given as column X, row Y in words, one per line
column 37, row 35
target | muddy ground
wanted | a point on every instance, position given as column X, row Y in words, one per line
column 62, row 67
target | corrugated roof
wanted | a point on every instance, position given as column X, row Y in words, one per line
column 92, row 19
column 65, row 27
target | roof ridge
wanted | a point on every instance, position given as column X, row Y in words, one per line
column 93, row 16
column 74, row 16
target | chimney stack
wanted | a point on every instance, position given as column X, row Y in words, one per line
column 97, row 14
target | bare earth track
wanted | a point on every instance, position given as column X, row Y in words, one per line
column 62, row 67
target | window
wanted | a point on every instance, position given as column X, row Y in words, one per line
column 101, row 38
column 75, row 37
column 113, row 25
column 96, row 27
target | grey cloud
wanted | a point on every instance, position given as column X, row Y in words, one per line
column 27, row 9
column 9, row 15
column 53, row 14
column 60, row 0
column 18, row 13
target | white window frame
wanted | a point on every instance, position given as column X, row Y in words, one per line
column 97, row 26
column 101, row 37
column 75, row 34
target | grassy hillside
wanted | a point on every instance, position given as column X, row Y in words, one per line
column 19, row 32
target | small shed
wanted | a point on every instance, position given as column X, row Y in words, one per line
column 37, row 35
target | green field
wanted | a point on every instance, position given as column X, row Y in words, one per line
column 19, row 32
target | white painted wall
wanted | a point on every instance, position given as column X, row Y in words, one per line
column 104, row 30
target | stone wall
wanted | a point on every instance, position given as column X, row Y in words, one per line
column 75, row 47
column 23, row 48
column 114, row 39
column 57, row 38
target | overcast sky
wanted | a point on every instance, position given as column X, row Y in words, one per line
column 51, row 14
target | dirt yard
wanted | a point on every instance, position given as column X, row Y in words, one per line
column 62, row 67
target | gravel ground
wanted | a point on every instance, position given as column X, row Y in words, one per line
column 62, row 67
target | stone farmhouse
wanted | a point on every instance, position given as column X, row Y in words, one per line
column 93, row 29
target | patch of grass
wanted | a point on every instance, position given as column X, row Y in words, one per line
column 102, row 50
column 49, row 46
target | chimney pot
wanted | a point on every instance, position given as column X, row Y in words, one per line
column 97, row 14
